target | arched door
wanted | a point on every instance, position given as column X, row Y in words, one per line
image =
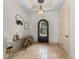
column 43, row 29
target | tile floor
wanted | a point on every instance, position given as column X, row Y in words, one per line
column 42, row 51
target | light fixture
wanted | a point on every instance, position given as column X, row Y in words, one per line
column 40, row 11
column 40, row 1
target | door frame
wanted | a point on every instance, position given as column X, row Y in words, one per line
column 47, row 30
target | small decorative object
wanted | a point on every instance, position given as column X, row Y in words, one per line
column 28, row 41
column 19, row 20
column 15, row 37
column 26, row 25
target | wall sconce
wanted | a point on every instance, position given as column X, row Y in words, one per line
column 19, row 20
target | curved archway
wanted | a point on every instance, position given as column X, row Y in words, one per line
column 43, row 31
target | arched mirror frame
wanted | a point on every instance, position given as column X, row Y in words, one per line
column 47, row 30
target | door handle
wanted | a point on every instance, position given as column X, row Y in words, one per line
column 66, row 36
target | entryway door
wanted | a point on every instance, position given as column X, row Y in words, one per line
column 43, row 31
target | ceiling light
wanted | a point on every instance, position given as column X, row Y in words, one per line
column 40, row 11
column 40, row 1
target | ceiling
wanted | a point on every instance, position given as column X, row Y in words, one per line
column 33, row 5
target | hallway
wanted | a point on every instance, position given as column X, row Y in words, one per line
column 42, row 51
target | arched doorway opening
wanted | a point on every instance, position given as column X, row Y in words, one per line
column 43, row 31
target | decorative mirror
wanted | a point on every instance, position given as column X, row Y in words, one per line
column 19, row 20
column 26, row 25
